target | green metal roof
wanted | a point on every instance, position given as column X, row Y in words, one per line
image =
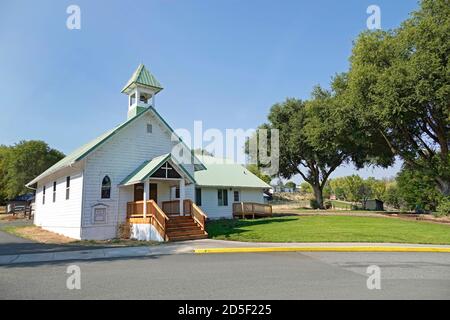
column 149, row 167
column 143, row 77
column 225, row 173
column 198, row 165
column 89, row 147
column 84, row 150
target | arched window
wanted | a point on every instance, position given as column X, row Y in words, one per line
column 106, row 188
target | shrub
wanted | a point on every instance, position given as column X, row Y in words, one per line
column 443, row 209
column 124, row 230
column 314, row 204
column 328, row 205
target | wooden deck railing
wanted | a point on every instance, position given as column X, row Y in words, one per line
column 253, row 209
column 135, row 209
column 197, row 214
column 171, row 207
column 154, row 215
column 159, row 218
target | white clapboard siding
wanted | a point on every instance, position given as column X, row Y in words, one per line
column 64, row 215
column 210, row 202
column 117, row 158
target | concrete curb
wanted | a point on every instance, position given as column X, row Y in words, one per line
column 321, row 249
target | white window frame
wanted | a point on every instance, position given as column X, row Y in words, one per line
column 222, row 204
column 68, row 187
column 54, row 187
column 239, row 195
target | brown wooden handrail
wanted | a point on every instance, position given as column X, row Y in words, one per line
column 154, row 214
column 197, row 214
column 160, row 211
column 158, row 218
column 135, row 209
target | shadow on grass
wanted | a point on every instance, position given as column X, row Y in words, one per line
column 224, row 228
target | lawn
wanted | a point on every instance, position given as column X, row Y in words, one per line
column 329, row 229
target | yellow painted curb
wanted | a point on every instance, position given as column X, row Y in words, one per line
column 323, row 249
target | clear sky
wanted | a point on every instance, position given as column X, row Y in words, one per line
column 224, row 62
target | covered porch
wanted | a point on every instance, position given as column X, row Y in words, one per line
column 159, row 202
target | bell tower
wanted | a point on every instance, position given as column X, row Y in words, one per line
column 141, row 90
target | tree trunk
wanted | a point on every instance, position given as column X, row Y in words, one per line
column 443, row 186
column 318, row 196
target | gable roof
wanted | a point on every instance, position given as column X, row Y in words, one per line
column 143, row 77
column 91, row 146
column 147, row 168
column 226, row 173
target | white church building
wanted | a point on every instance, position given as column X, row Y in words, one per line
column 130, row 174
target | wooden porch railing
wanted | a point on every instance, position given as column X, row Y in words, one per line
column 196, row 213
column 135, row 209
column 159, row 218
column 189, row 207
column 154, row 215
column 171, row 207
column 253, row 209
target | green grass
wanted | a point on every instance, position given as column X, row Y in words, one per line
column 329, row 229
column 14, row 230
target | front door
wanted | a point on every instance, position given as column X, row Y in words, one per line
column 138, row 192
column 154, row 192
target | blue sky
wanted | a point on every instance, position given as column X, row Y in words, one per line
column 224, row 62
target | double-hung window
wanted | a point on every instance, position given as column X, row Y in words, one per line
column 67, row 188
column 236, row 196
column 222, row 197
column 54, row 191
column 198, row 196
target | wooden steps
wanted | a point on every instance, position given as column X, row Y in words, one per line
column 184, row 228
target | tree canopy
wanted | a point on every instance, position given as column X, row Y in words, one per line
column 302, row 135
column 398, row 88
column 253, row 168
column 22, row 162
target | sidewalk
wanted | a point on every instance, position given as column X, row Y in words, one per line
column 212, row 246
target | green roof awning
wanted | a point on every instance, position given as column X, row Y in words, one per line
column 143, row 77
column 147, row 168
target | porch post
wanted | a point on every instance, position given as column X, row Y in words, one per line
column 182, row 197
column 146, row 196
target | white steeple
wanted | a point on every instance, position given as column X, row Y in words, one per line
column 141, row 90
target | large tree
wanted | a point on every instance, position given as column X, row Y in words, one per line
column 253, row 168
column 398, row 89
column 416, row 189
column 22, row 162
column 4, row 150
column 310, row 145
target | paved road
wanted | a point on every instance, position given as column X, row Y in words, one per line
column 236, row 276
